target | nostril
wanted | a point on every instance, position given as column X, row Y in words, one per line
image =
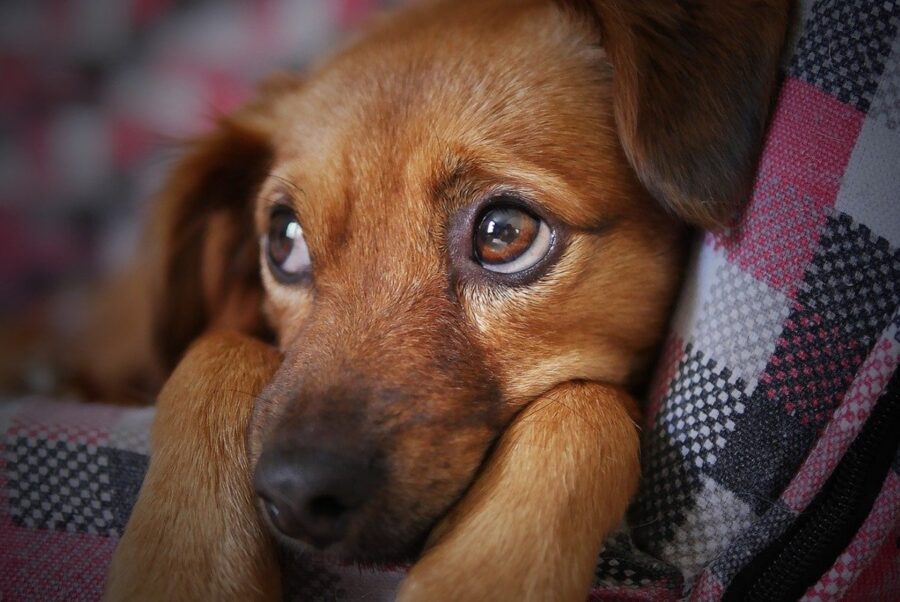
column 311, row 494
column 327, row 507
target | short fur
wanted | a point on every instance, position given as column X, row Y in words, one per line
column 500, row 412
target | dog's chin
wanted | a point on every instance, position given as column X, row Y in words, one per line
column 349, row 553
column 384, row 547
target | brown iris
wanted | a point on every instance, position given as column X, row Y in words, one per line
column 504, row 234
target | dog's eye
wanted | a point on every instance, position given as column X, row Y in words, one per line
column 285, row 246
column 509, row 239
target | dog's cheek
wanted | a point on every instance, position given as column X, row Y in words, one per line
column 286, row 309
column 597, row 316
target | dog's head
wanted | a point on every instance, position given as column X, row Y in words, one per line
column 471, row 204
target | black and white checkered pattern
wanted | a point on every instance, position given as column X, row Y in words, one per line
column 885, row 108
column 844, row 47
column 59, row 485
column 702, row 404
column 741, row 322
column 853, row 281
column 621, row 564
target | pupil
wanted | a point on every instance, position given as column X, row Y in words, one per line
column 502, row 228
column 508, row 233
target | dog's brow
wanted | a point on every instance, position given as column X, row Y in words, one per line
column 453, row 173
column 294, row 188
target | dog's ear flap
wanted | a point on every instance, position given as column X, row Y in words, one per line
column 206, row 268
column 692, row 88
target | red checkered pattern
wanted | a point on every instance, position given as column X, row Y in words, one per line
column 785, row 343
column 869, row 541
column 845, row 425
column 880, row 580
column 809, row 143
column 53, row 565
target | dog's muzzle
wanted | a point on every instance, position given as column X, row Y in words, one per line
column 312, row 493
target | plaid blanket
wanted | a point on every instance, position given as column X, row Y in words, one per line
column 770, row 445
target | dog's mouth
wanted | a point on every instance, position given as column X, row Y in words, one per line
column 374, row 530
column 373, row 546
column 353, row 502
column 354, row 469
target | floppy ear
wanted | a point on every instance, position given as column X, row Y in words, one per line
column 692, row 85
column 207, row 271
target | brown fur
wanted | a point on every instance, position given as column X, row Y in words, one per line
column 189, row 538
column 500, row 408
column 562, row 474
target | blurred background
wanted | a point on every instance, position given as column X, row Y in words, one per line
column 95, row 95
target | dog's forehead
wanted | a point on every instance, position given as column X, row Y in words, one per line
column 518, row 96
column 525, row 83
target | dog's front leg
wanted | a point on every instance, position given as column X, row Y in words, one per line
column 193, row 534
column 533, row 523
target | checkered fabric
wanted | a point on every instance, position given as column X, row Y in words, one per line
column 69, row 476
column 785, row 343
column 787, row 334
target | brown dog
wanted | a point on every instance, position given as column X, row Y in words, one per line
column 465, row 232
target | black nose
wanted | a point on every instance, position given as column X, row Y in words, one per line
column 311, row 494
